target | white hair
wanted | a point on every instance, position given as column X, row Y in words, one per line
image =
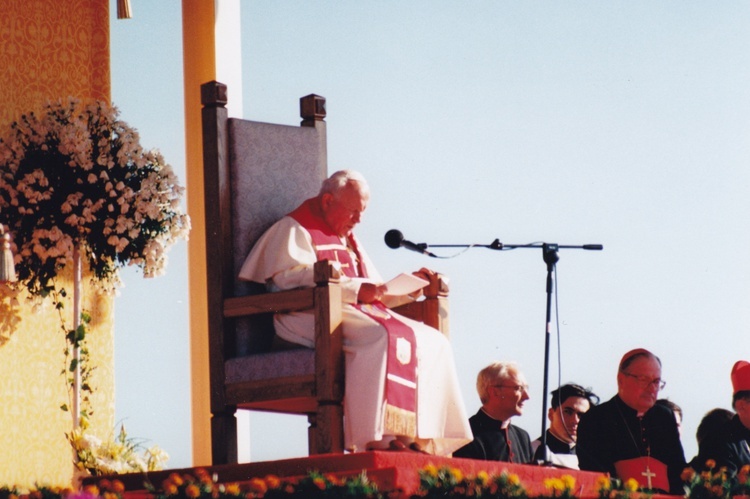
column 492, row 374
column 337, row 181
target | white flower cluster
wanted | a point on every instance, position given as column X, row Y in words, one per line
column 76, row 176
column 117, row 455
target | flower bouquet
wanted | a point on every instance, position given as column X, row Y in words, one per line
column 76, row 177
column 119, row 454
column 712, row 483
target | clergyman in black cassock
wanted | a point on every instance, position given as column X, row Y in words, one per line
column 629, row 436
column 493, row 443
column 502, row 390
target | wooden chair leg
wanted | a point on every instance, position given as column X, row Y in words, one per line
column 224, row 438
column 330, row 429
column 312, row 434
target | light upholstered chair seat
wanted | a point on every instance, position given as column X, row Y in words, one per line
column 262, row 366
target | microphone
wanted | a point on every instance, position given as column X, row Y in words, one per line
column 395, row 239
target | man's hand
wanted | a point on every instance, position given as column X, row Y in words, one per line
column 427, row 275
column 369, row 292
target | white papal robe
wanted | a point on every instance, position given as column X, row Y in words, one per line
column 283, row 258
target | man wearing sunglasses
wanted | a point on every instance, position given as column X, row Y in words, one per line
column 629, row 436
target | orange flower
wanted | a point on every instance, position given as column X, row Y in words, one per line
column 687, row 474
column 710, row 464
column 272, row 481
column 204, row 477
column 170, row 488
column 258, row 485
column 603, row 482
column 232, row 489
column 333, row 479
column 176, row 479
column 320, row 483
column 118, row 486
column 91, row 489
column 192, row 491
column 513, row 479
column 743, row 474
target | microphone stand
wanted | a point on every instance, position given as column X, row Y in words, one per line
column 550, row 257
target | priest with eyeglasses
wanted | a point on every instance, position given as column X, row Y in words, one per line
column 503, row 391
column 629, row 436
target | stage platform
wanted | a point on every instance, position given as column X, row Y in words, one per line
column 392, row 471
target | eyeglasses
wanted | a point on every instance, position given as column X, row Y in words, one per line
column 516, row 388
column 646, row 382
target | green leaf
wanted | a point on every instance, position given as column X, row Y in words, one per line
column 80, row 333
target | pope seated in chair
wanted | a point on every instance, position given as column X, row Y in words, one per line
column 408, row 398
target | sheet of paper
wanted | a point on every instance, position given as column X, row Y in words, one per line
column 403, row 284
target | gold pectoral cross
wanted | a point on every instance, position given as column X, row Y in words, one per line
column 649, row 475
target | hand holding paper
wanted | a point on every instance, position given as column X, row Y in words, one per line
column 404, row 284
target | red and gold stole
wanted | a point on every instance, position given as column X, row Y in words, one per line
column 401, row 366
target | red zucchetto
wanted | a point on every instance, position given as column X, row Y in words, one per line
column 741, row 376
column 633, row 353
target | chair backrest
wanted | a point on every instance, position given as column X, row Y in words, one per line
column 263, row 172
column 273, row 169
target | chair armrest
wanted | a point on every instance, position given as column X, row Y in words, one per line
column 433, row 309
column 294, row 300
column 438, row 286
column 279, row 302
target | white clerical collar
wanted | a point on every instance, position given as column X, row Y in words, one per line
column 503, row 423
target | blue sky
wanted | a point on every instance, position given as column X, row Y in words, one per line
column 620, row 123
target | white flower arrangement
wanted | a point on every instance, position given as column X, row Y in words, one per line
column 75, row 176
column 117, row 455
column 74, row 179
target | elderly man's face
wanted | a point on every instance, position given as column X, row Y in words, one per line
column 639, row 385
column 510, row 395
column 344, row 211
column 564, row 419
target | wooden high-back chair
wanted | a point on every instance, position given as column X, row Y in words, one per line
column 254, row 174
